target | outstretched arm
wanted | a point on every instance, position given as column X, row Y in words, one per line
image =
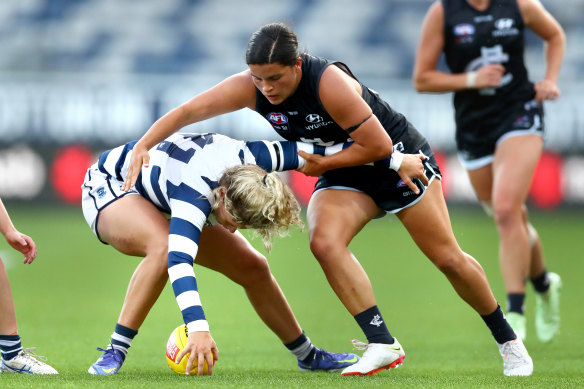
column 232, row 94
column 286, row 155
column 16, row 239
column 186, row 224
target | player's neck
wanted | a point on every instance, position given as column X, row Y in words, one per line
column 480, row 5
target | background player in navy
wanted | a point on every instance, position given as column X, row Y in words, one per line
column 15, row 359
column 312, row 99
column 198, row 179
column 499, row 127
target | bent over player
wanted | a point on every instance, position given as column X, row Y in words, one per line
column 210, row 185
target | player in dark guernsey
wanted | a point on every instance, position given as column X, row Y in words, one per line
column 499, row 127
column 314, row 100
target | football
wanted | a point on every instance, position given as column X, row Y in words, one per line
column 176, row 343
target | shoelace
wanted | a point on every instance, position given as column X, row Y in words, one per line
column 358, row 345
column 31, row 356
column 512, row 350
column 111, row 351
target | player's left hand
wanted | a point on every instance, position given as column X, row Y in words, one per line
column 202, row 348
column 314, row 165
column 412, row 167
column 22, row 243
column 546, row 90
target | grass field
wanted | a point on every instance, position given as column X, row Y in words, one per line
column 68, row 302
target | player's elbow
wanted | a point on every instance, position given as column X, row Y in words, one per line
column 419, row 84
column 383, row 149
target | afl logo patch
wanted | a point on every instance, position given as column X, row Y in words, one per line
column 314, row 118
column 277, row 118
column 464, row 29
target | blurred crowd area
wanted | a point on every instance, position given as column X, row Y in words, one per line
column 98, row 73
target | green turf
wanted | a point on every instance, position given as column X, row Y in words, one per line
column 68, row 302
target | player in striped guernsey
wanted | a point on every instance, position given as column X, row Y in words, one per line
column 200, row 180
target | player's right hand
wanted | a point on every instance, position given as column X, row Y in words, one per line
column 140, row 158
column 489, row 76
column 202, row 348
column 412, row 167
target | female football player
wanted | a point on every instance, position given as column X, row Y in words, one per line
column 15, row 359
column 312, row 99
column 499, row 127
column 210, row 186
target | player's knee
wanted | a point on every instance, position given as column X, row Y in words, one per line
column 507, row 214
column 253, row 269
column 450, row 263
column 322, row 247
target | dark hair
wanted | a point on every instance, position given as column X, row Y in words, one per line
column 272, row 43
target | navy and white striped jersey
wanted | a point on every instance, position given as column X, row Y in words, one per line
column 183, row 171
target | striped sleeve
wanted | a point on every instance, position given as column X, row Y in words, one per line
column 283, row 155
column 186, row 224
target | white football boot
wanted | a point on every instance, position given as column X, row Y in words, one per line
column 547, row 310
column 26, row 362
column 377, row 357
column 516, row 360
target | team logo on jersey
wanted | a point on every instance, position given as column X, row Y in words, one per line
column 314, row 118
column 504, row 27
column 464, row 29
column 522, row 121
column 101, row 193
column 277, row 118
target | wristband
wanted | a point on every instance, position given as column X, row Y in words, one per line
column 471, row 80
column 395, row 160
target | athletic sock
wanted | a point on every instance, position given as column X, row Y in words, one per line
column 373, row 326
column 541, row 283
column 302, row 348
column 515, row 302
column 10, row 346
column 122, row 339
column 500, row 328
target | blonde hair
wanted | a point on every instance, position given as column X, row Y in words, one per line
column 260, row 201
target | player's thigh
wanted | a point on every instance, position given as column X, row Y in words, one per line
column 428, row 223
column 230, row 254
column 337, row 215
column 481, row 180
column 515, row 161
column 133, row 226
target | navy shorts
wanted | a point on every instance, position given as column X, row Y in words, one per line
column 479, row 151
column 383, row 185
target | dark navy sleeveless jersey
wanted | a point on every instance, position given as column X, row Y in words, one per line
column 474, row 38
column 302, row 117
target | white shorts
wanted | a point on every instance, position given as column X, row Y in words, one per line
column 98, row 191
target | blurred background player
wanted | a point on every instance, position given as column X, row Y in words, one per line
column 312, row 99
column 200, row 181
column 15, row 359
column 499, row 127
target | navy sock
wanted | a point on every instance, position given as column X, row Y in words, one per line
column 302, row 348
column 373, row 326
column 515, row 302
column 10, row 346
column 500, row 328
column 541, row 283
column 122, row 339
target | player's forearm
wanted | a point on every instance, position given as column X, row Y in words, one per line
column 436, row 82
column 554, row 54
